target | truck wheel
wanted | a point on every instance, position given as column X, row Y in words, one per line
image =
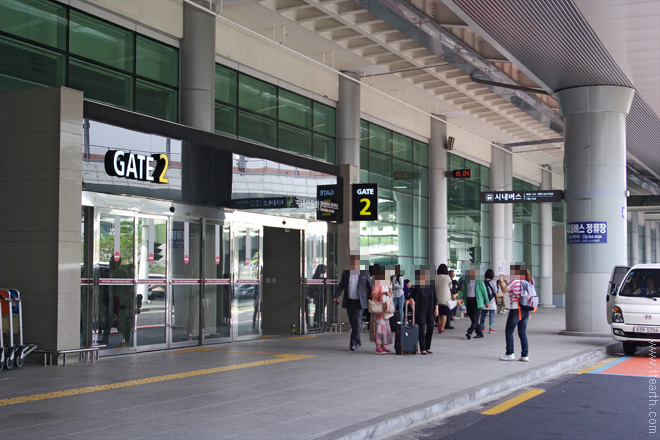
column 629, row 348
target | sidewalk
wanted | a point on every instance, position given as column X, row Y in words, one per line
column 309, row 387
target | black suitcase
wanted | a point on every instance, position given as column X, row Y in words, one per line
column 407, row 335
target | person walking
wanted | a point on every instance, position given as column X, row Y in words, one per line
column 426, row 309
column 443, row 286
column 356, row 286
column 475, row 297
column 516, row 318
column 379, row 330
column 490, row 308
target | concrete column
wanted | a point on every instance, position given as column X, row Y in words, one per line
column 41, row 137
column 348, row 120
column 634, row 237
column 545, row 213
column 198, row 68
column 508, row 210
column 647, row 243
column 595, row 182
column 438, row 159
column 498, row 260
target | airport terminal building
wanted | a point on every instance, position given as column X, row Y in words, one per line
column 181, row 172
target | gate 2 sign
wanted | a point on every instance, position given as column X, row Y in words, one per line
column 364, row 201
column 136, row 166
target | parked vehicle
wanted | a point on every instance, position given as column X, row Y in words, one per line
column 633, row 305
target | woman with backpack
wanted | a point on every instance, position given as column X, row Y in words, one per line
column 517, row 318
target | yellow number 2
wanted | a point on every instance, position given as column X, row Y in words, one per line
column 367, row 204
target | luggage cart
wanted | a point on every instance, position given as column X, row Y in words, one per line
column 13, row 354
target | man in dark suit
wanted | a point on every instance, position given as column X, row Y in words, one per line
column 356, row 285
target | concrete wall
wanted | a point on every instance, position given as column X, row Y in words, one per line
column 163, row 15
column 40, row 210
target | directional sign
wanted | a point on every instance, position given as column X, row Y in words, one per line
column 365, row 201
column 520, row 196
column 586, row 232
column 329, row 207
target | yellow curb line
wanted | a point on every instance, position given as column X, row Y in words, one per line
column 498, row 409
column 131, row 383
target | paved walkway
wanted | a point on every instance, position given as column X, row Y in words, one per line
column 279, row 388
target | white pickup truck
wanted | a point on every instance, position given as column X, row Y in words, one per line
column 633, row 305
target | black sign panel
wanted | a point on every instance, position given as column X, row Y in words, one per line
column 329, row 203
column 460, row 174
column 520, row 196
column 365, row 201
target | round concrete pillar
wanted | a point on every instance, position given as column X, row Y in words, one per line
column 438, row 159
column 595, row 182
column 545, row 214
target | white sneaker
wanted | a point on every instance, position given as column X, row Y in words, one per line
column 508, row 357
column 524, row 359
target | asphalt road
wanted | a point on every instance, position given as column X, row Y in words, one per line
column 621, row 403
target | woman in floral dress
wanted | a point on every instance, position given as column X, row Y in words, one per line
column 380, row 332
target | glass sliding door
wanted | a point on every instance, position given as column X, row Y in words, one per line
column 316, row 272
column 217, row 283
column 185, row 265
column 152, row 295
column 246, row 261
column 116, row 303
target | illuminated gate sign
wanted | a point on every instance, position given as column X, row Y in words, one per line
column 133, row 166
column 365, row 201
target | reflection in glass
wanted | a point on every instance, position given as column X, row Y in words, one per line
column 246, row 287
column 185, row 263
column 151, row 299
column 116, row 283
column 217, row 295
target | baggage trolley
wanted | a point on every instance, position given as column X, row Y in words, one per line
column 11, row 307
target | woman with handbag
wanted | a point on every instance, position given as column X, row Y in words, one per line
column 381, row 307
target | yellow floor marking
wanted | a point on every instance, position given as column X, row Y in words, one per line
column 304, row 337
column 270, row 336
column 498, row 409
column 111, row 386
column 598, row 365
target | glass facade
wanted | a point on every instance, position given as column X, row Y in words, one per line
column 44, row 44
column 399, row 165
column 526, row 231
column 468, row 221
column 257, row 111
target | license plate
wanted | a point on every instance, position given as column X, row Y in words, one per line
column 646, row 329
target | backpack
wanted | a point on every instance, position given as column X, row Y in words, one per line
column 528, row 300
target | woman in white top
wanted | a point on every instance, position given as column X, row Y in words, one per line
column 397, row 282
column 443, row 291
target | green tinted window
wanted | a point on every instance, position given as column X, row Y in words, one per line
column 295, row 109
column 324, row 148
column 23, row 66
column 43, row 22
column 421, row 210
column 101, row 42
column 380, row 170
column 401, row 146
column 256, row 128
column 420, row 153
column 421, row 238
column 225, row 119
column 364, row 159
column 257, row 96
column 456, row 163
column 324, row 119
column 225, row 84
column 157, row 61
column 380, row 139
column 155, row 100
column 421, row 181
column 101, row 84
column 402, row 175
column 364, row 134
column 294, row 140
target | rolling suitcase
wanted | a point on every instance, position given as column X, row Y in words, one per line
column 407, row 335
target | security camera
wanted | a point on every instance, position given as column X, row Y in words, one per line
column 284, row 222
column 172, row 208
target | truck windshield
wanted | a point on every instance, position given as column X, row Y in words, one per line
column 642, row 282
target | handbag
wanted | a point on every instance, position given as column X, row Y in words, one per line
column 376, row 307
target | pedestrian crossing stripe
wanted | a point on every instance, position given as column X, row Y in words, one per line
column 148, row 380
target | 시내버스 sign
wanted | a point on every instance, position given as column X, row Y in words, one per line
column 586, row 232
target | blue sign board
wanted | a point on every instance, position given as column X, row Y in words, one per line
column 586, row 232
